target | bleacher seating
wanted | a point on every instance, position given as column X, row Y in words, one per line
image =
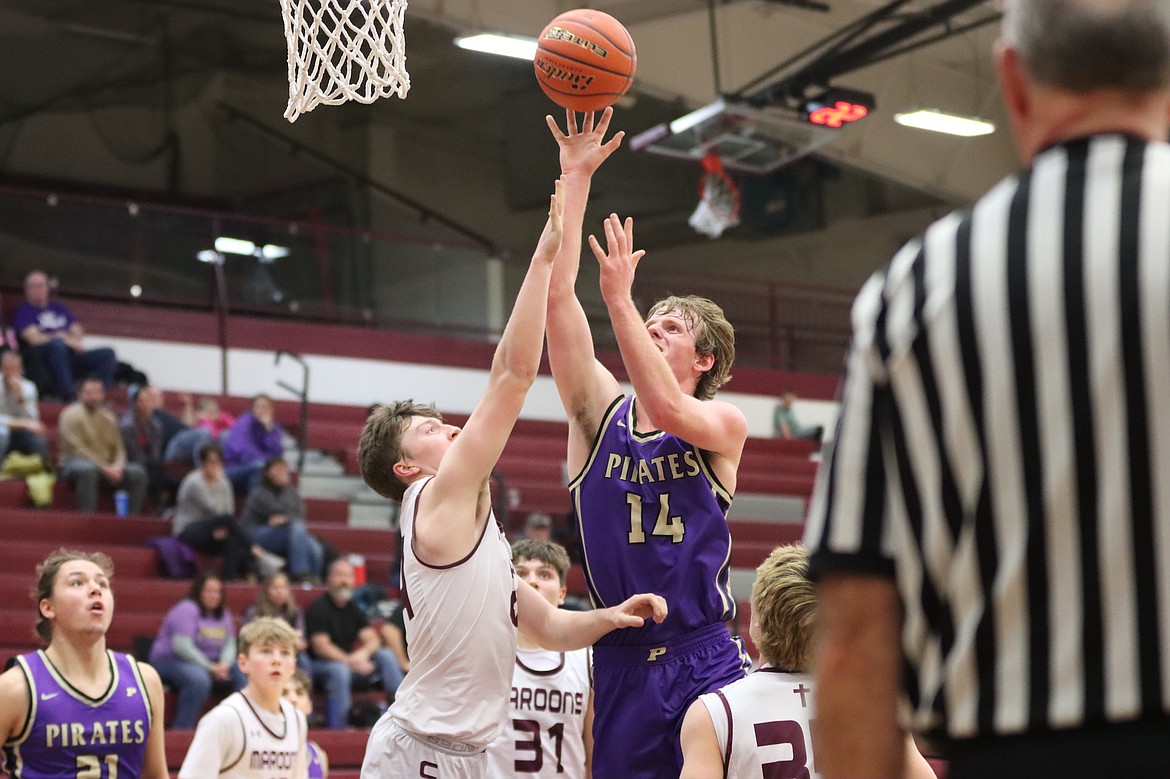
column 532, row 471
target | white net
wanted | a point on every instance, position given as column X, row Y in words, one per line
column 719, row 207
column 341, row 50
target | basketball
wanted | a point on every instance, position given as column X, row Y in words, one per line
column 585, row 60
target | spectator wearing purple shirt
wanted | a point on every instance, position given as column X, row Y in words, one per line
column 195, row 650
column 51, row 339
column 254, row 438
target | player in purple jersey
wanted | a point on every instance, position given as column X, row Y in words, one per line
column 76, row 709
column 652, row 479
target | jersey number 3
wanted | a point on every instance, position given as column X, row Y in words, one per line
column 779, row 732
column 665, row 525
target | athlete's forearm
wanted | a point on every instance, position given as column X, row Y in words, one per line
column 654, row 384
column 575, row 188
column 857, row 670
column 520, row 347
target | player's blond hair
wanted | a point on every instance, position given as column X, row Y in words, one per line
column 551, row 554
column 47, row 571
column 714, row 335
column 784, row 603
column 381, row 444
column 267, row 630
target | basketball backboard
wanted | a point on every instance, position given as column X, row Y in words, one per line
column 747, row 139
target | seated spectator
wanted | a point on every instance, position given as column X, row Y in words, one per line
column 275, row 600
column 254, row 438
column 538, row 527
column 786, row 425
column 204, row 517
column 274, row 516
column 52, row 345
column 91, row 451
column 209, row 416
column 195, row 651
column 21, row 429
column 154, row 437
column 344, row 648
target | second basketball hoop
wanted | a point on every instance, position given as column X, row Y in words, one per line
column 585, row 60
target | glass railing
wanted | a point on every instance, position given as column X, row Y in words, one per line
column 425, row 281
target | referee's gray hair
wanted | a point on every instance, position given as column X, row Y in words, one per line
column 1082, row 45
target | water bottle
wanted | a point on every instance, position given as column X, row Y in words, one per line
column 359, row 569
column 122, row 503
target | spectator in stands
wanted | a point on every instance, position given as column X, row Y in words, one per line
column 275, row 600
column 204, row 517
column 51, row 340
column 154, row 437
column 274, row 516
column 254, row 438
column 786, row 425
column 538, row 526
column 21, row 429
column 210, row 417
column 344, row 648
column 91, row 451
column 299, row 690
column 195, row 651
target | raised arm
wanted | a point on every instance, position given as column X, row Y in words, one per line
column 585, row 386
column 473, row 454
column 712, row 425
column 559, row 630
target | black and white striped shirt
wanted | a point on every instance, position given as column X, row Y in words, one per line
column 1003, row 449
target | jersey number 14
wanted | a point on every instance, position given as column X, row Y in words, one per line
column 665, row 525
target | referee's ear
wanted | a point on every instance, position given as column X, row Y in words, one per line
column 1016, row 88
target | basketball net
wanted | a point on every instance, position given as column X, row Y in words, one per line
column 341, row 50
column 719, row 204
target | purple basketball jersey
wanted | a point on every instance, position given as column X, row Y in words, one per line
column 316, row 764
column 69, row 734
column 653, row 518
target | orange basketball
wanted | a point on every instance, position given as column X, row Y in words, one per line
column 585, row 60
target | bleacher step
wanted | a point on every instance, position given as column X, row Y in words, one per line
column 776, row 508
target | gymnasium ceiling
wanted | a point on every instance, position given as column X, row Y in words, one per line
column 66, row 55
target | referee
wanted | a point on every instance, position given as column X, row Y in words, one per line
column 991, row 528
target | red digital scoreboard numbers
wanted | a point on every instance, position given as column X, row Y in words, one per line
column 838, row 107
column 839, row 114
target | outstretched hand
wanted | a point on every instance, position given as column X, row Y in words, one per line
column 550, row 240
column 619, row 260
column 582, row 150
column 635, row 610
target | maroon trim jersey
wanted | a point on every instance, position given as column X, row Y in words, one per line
column 544, row 735
column 653, row 518
column 762, row 724
column 69, row 734
column 461, row 628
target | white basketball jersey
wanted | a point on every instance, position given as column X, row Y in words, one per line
column 543, row 737
column 461, row 628
column 236, row 740
column 762, row 724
